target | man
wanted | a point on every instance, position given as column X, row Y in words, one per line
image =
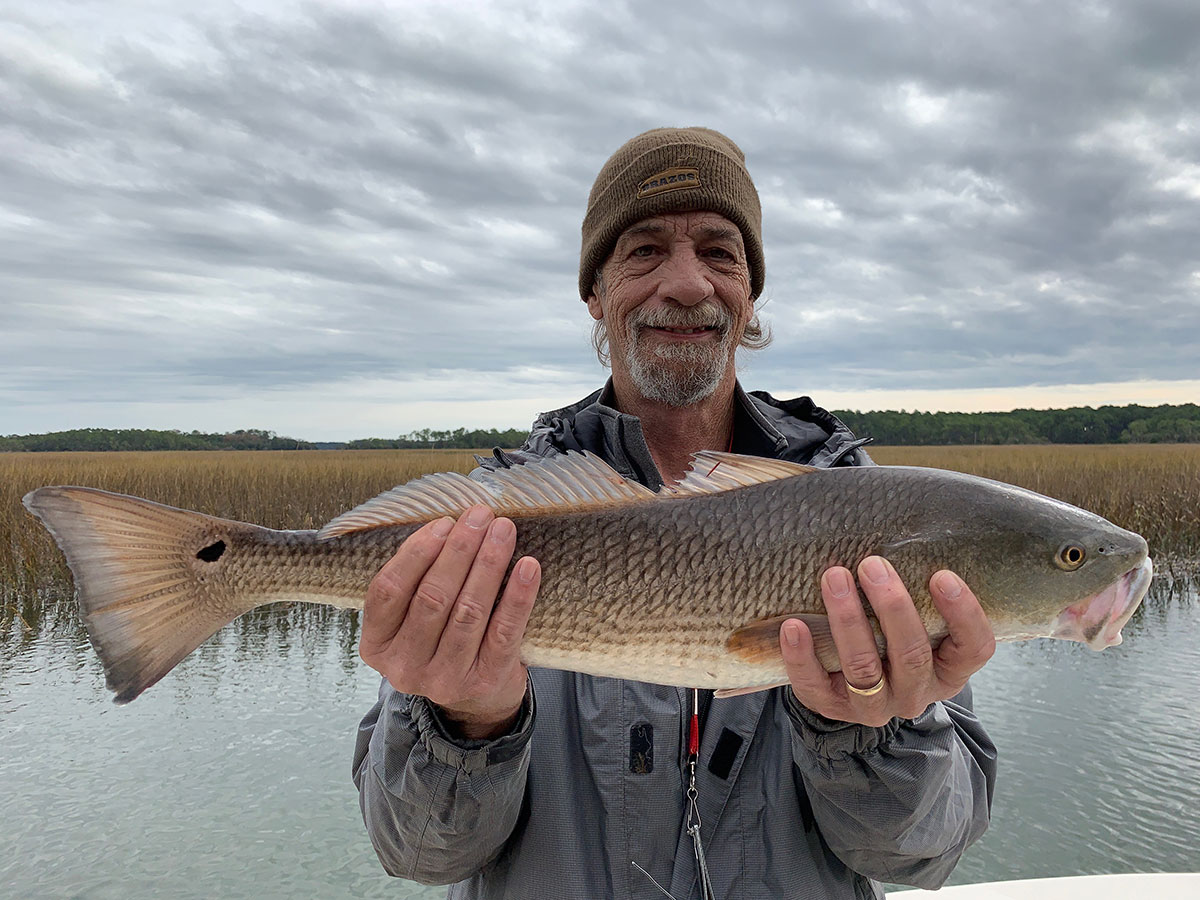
column 505, row 782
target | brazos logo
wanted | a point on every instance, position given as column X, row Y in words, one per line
column 669, row 180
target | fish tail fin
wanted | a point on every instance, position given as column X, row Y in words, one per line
column 150, row 579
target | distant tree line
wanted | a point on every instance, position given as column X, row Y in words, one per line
column 1077, row 425
column 456, row 438
column 145, row 439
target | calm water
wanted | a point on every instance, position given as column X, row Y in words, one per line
column 231, row 777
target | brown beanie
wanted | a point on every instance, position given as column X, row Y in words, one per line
column 668, row 170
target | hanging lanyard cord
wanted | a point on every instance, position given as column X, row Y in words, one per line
column 693, row 810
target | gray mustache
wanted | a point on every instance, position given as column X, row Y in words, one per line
column 704, row 315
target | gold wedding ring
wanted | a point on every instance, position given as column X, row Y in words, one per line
column 867, row 692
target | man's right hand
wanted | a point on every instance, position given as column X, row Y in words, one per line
column 435, row 623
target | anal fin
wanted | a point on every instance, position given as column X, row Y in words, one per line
column 738, row 692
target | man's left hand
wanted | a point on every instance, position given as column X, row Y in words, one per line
column 914, row 674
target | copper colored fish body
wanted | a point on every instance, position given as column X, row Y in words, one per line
column 685, row 587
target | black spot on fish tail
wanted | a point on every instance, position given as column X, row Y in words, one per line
column 212, row 552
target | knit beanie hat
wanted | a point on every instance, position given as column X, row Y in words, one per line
column 667, row 170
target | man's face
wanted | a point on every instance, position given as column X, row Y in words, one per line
column 675, row 299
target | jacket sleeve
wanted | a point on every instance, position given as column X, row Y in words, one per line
column 899, row 803
column 437, row 809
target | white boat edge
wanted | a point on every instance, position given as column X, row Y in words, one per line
column 1159, row 886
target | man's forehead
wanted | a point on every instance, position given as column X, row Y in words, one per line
column 702, row 224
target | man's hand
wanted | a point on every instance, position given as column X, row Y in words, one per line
column 435, row 625
column 914, row 675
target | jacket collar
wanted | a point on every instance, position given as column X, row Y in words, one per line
column 796, row 430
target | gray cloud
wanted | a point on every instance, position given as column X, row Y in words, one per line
column 299, row 197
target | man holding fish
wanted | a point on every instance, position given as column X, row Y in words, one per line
column 513, row 782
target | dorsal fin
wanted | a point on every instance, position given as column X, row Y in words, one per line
column 713, row 471
column 569, row 482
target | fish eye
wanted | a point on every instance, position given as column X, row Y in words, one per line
column 1070, row 557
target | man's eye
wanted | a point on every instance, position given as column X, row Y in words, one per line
column 643, row 251
column 720, row 253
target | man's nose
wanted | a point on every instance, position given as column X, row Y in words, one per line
column 685, row 279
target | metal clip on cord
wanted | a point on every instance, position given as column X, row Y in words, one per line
column 692, row 823
column 693, row 816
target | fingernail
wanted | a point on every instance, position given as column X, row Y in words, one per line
column 791, row 633
column 949, row 584
column 875, row 569
column 526, row 570
column 478, row 516
column 838, row 582
column 442, row 527
column 501, row 531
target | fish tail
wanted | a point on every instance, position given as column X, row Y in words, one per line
column 151, row 580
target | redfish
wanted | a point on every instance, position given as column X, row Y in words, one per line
column 686, row 587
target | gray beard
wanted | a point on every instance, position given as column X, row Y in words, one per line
column 678, row 374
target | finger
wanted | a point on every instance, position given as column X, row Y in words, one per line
column 435, row 596
column 501, row 647
column 910, row 657
column 461, row 638
column 971, row 641
column 852, row 633
column 810, row 682
column 392, row 588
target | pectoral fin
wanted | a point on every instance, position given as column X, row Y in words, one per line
column 758, row 642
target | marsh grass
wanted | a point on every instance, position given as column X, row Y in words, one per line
column 1151, row 489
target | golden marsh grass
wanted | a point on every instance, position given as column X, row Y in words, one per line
column 1151, row 489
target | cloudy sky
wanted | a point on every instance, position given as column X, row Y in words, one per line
column 343, row 219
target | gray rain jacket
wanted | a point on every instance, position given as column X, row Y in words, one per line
column 591, row 778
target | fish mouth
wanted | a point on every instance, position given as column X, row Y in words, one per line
column 1097, row 620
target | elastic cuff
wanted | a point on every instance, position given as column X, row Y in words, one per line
column 470, row 755
column 831, row 738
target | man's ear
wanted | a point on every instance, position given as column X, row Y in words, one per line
column 594, row 306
